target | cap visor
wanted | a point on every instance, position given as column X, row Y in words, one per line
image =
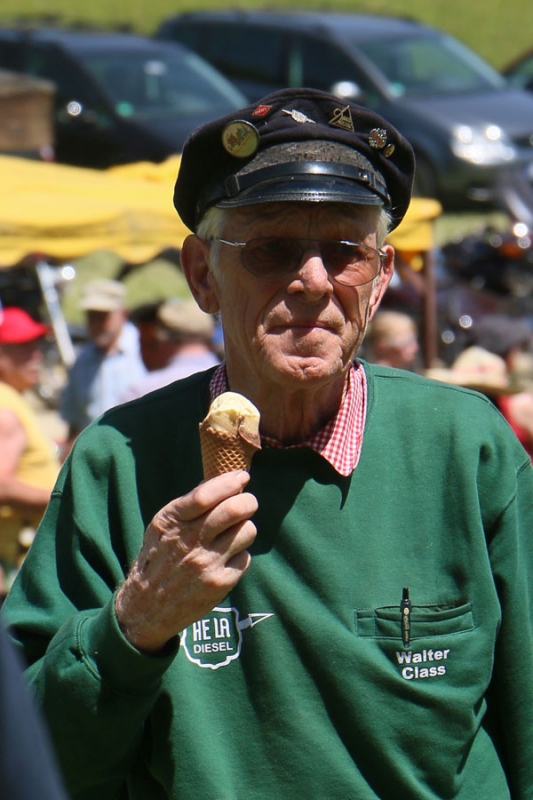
column 311, row 190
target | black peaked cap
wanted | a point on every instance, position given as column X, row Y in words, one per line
column 295, row 144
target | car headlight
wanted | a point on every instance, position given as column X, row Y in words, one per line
column 488, row 145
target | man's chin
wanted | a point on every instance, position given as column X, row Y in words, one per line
column 301, row 370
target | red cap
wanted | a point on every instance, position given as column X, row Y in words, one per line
column 17, row 327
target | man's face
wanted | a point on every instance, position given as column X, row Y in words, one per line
column 20, row 364
column 156, row 352
column 303, row 329
column 105, row 327
column 404, row 349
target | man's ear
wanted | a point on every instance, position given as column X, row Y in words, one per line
column 195, row 265
column 382, row 281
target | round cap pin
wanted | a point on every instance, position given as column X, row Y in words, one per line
column 240, row 138
column 377, row 138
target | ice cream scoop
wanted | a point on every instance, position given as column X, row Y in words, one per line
column 229, row 434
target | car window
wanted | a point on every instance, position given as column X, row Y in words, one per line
column 421, row 65
column 246, row 53
column 190, row 35
column 73, row 89
column 159, row 84
column 320, row 64
column 11, row 56
column 522, row 74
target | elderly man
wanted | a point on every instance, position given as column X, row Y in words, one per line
column 108, row 364
column 351, row 618
column 28, row 462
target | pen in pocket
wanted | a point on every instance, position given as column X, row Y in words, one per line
column 405, row 610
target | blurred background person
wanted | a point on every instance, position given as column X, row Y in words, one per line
column 28, row 463
column 176, row 340
column 392, row 340
column 510, row 338
column 493, row 364
column 107, row 365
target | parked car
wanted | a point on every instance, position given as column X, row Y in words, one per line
column 119, row 98
column 466, row 124
column 520, row 71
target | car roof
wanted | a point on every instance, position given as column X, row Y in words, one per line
column 84, row 41
column 340, row 24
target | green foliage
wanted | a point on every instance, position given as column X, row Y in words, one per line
column 156, row 280
column 499, row 30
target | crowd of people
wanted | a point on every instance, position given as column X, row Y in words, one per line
column 365, row 590
column 128, row 353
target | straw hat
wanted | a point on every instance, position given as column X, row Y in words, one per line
column 103, row 295
column 477, row 368
column 185, row 318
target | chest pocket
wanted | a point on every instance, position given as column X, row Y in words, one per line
column 426, row 621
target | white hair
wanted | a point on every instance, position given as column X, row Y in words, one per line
column 214, row 221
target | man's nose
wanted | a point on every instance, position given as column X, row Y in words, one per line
column 311, row 276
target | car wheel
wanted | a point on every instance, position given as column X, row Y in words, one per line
column 425, row 183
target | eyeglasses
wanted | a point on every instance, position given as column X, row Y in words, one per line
column 273, row 257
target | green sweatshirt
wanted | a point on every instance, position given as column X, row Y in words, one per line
column 304, row 683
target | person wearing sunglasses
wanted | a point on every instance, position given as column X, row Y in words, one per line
column 350, row 618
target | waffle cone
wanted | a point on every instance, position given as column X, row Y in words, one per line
column 224, row 452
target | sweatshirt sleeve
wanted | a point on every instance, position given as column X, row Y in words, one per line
column 510, row 701
column 95, row 689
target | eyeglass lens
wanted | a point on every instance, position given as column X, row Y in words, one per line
column 348, row 263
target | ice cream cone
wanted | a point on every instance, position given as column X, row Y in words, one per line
column 223, row 452
column 229, row 435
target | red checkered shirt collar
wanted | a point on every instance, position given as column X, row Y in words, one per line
column 341, row 439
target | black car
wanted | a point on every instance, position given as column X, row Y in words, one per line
column 469, row 128
column 119, row 98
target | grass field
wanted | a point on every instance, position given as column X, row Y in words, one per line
column 499, row 30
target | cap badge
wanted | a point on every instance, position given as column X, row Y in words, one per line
column 377, row 138
column 342, row 118
column 261, row 111
column 298, row 116
column 240, row 138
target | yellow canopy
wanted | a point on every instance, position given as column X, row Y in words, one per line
column 415, row 233
column 62, row 212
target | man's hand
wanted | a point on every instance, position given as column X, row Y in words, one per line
column 194, row 553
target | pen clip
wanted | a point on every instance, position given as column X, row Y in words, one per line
column 405, row 611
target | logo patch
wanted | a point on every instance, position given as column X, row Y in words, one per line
column 261, row 111
column 342, row 118
column 215, row 641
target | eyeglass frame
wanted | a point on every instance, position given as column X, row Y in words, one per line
column 243, row 245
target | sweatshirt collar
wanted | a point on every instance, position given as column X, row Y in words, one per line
column 339, row 442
